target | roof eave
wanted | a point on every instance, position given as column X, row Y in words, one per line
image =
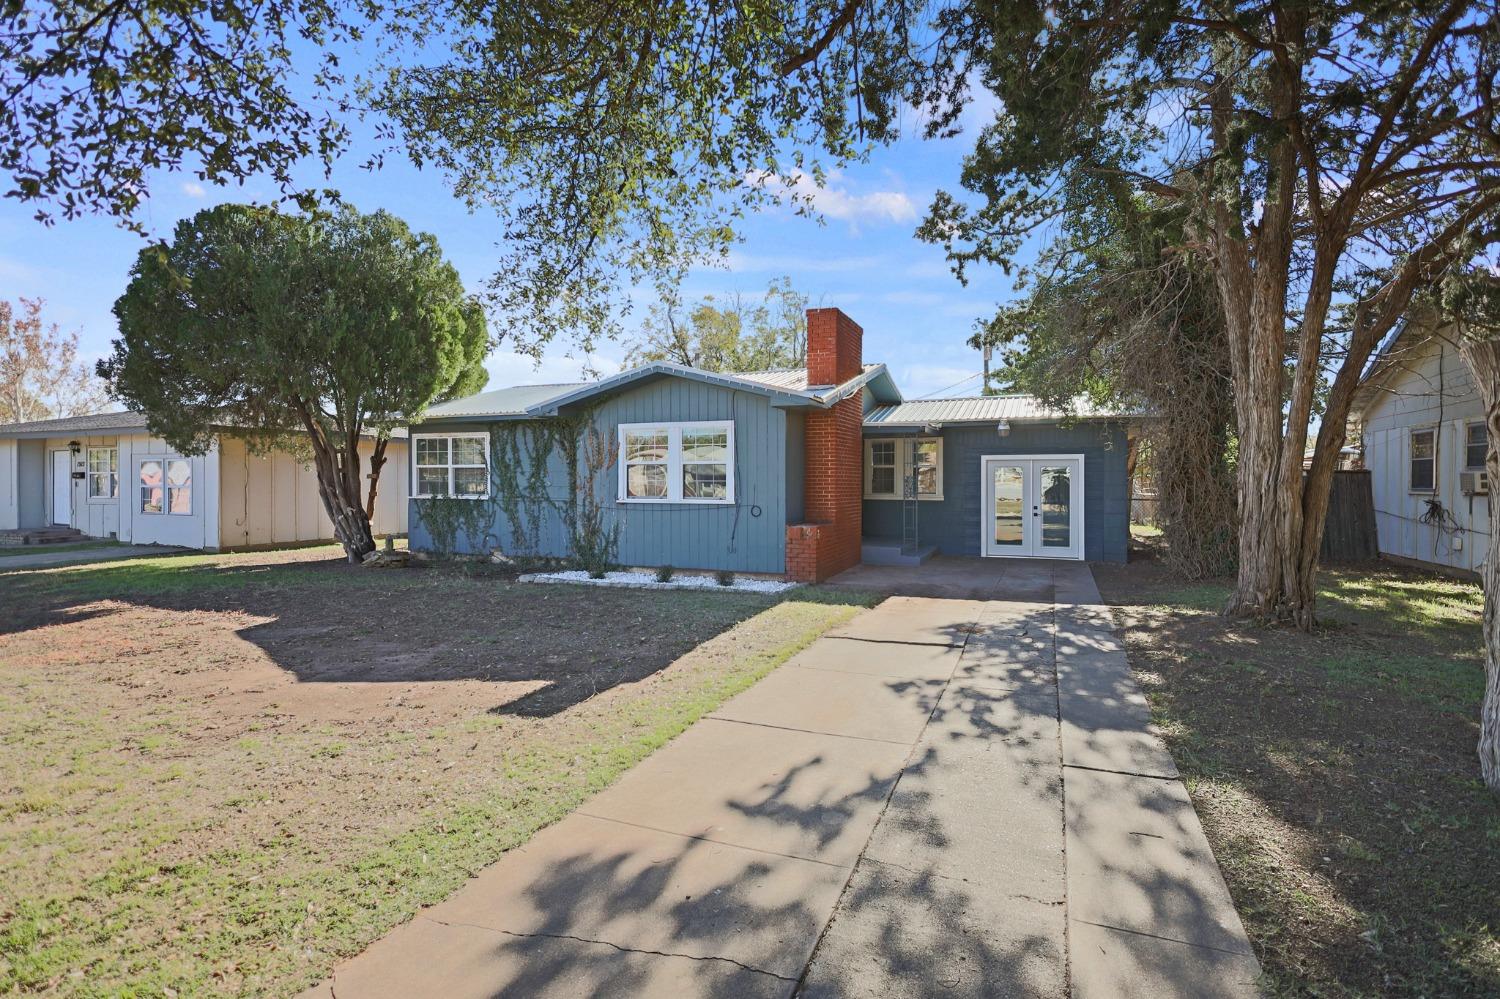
column 551, row 407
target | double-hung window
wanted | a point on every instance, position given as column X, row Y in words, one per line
column 104, row 473
column 1476, row 446
column 456, row 465
column 166, row 486
column 1422, row 477
column 676, row 463
column 893, row 462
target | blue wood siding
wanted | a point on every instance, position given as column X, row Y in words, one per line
column 748, row 535
column 952, row 524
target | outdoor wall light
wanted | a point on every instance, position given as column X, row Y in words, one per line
column 1003, row 428
column 75, row 447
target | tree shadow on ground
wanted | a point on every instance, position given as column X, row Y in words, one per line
column 1335, row 774
column 325, row 622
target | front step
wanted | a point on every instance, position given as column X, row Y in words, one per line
column 887, row 551
column 40, row 536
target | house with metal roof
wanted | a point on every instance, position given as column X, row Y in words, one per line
column 106, row 476
column 1420, row 425
column 800, row 473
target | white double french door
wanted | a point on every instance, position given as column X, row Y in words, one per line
column 1033, row 505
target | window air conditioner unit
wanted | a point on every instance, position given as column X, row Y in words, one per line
column 1474, row 483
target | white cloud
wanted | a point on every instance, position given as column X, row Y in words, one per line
column 837, row 201
column 193, row 189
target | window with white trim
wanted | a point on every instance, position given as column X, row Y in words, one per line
column 166, row 486
column 452, row 465
column 1422, row 466
column 676, row 462
column 1476, row 446
column 104, row 473
column 889, row 462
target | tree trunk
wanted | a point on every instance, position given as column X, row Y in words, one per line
column 338, row 486
column 1483, row 359
column 377, row 462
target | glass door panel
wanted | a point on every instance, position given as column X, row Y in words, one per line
column 1008, row 487
column 1056, row 488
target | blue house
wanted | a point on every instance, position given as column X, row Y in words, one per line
column 802, row 473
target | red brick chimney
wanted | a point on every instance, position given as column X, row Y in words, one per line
column 833, row 475
column 834, row 342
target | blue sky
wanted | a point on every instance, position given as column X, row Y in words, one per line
column 863, row 258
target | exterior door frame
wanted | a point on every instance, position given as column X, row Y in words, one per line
column 1030, row 484
column 66, row 493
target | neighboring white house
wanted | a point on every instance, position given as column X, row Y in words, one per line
column 1424, row 440
column 105, row 476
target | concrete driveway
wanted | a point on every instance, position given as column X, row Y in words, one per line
column 947, row 796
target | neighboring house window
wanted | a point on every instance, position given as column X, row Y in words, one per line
column 104, row 473
column 1423, row 475
column 456, row 465
column 1476, row 446
column 882, row 465
column 166, row 486
column 889, row 463
column 676, row 463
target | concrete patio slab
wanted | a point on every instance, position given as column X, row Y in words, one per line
column 457, row 961
column 901, row 933
column 801, row 794
column 837, row 703
column 1138, row 861
column 892, row 659
column 986, row 817
column 1112, row 964
column 915, row 621
column 649, row 891
column 1106, row 719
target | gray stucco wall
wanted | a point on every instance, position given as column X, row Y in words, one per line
column 952, row 524
column 748, row 535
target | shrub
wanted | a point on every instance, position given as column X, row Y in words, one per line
column 724, row 577
column 664, row 573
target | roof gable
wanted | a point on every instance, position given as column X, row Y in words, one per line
column 784, row 387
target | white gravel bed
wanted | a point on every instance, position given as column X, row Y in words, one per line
column 647, row 581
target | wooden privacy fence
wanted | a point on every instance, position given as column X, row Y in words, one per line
column 1349, row 531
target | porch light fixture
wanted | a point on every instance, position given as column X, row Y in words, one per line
column 75, row 447
column 1003, row 428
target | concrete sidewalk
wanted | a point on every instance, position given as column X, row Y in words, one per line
column 943, row 797
column 48, row 559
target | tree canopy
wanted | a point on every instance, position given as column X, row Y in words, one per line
column 335, row 326
column 95, row 95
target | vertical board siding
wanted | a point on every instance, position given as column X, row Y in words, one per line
column 953, row 523
column 748, row 535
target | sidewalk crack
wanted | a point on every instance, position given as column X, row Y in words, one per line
column 606, row 943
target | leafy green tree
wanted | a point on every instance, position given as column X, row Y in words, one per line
column 737, row 336
column 1337, row 159
column 97, row 94
column 622, row 143
column 336, row 326
column 1115, row 315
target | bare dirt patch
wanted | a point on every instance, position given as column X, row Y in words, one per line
column 220, row 774
column 1335, row 773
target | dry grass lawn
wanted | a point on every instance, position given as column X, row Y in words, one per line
column 219, row 774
